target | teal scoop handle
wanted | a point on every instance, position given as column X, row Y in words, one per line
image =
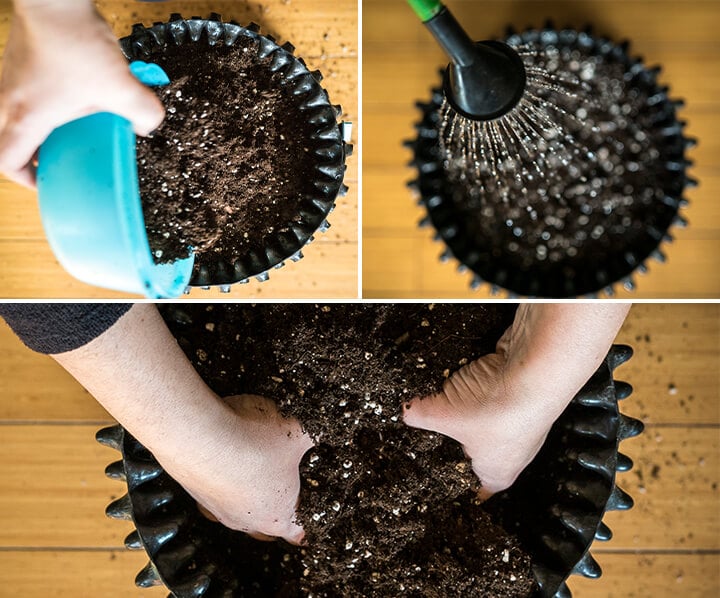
column 90, row 204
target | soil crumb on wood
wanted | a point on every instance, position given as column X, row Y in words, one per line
column 388, row 510
column 228, row 166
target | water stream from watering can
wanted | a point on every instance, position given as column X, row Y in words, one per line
column 566, row 165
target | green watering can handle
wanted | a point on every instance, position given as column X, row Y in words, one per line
column 425, row 9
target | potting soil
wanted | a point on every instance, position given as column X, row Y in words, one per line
column 227, row 167
column 586, row 179
column 388, row 510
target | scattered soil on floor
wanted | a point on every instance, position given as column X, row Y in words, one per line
column 387, row 510
column 230, row 163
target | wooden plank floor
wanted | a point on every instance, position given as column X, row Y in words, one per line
column 325, row 33
column 400, row 63
column 54, row 536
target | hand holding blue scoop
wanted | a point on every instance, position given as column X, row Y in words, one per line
column 90, row 204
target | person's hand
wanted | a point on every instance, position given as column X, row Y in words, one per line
column 238, row 458
column 481, row 407
column 61, row 63
column 247, row 476
column 502, row 406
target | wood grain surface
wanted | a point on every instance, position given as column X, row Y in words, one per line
column 325, row 34
column 400, row 62
column 53, row 533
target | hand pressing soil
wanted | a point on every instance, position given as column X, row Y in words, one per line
column 230, row 163
column 387, row 510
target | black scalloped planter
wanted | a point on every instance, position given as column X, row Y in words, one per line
column 326, row 143
column 494, row 264
column 555, row 508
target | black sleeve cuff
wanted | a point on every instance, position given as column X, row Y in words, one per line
column 60, row 327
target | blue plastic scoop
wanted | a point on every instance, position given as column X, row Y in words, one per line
column 90, row 204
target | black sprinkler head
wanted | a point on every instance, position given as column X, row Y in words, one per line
column 485, row 80
column 490, row 87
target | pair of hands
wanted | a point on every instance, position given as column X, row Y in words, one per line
column 61, row 63
column 258, row 493
column 500, row 407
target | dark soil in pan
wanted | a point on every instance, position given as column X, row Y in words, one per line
column 578, row 200
column 227, row 167
column 387, row 509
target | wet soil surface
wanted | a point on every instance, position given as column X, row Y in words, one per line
column 575, row 176
column 388, row 510
column 230, row 163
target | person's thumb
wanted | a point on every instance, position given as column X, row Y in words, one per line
column 433, row 413
column 294, row 534
column 140, row 106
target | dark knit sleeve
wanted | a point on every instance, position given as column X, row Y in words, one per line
column 60, row 327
